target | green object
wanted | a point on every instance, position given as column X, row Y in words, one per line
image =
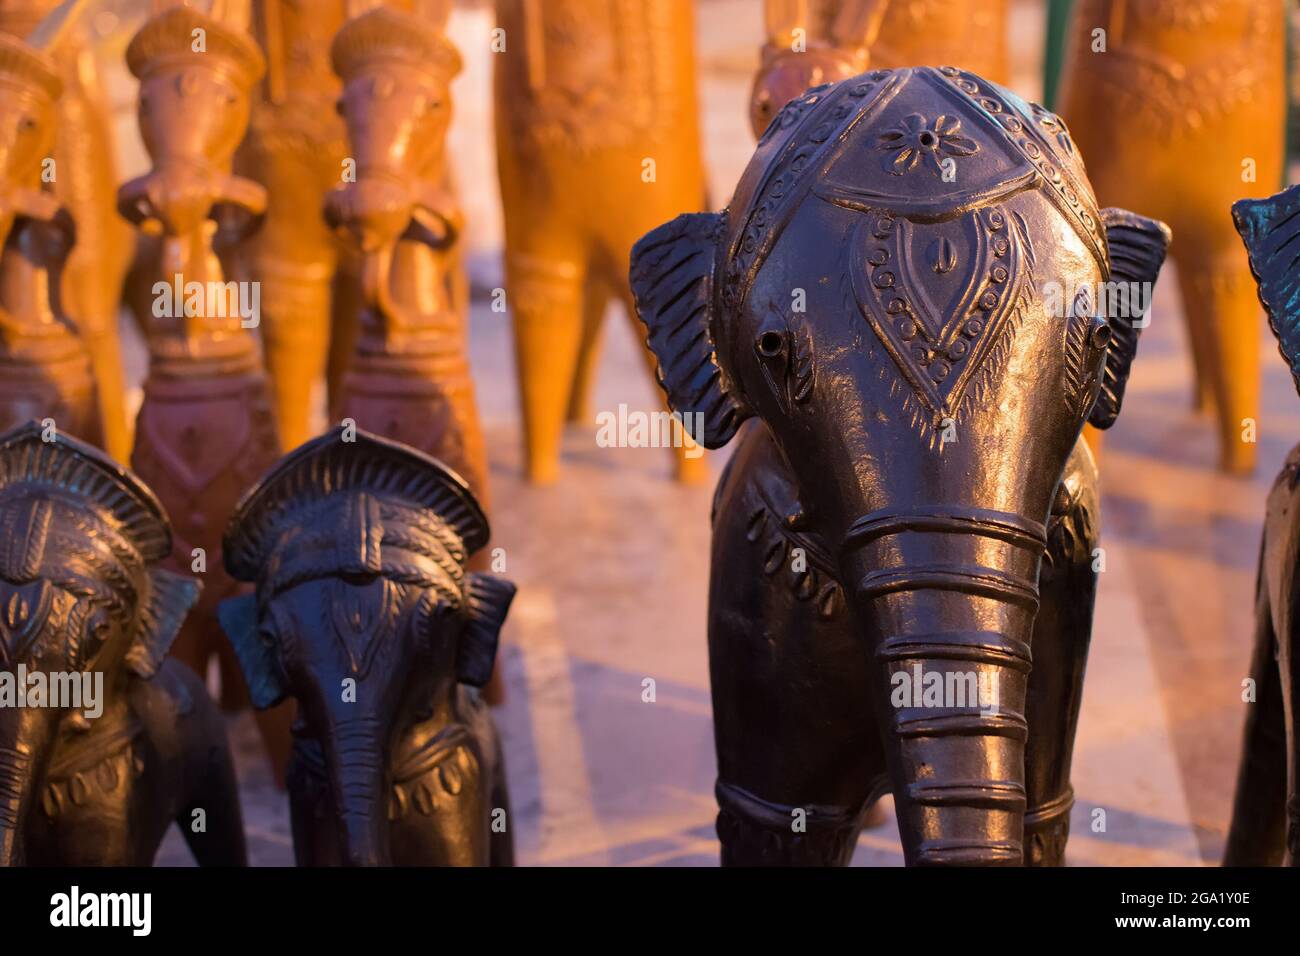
column 1058, row 18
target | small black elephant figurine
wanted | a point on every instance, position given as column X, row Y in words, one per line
column 364, row 613
column 905, row 291
column 1265, row 828
column 103, row 742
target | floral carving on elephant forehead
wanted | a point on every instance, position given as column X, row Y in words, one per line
column 917, row 141
column 944, row 300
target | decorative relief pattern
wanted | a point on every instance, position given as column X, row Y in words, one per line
column 948, row 333
column 916, row 139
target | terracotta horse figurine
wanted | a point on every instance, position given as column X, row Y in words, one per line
column 45, row 368
column 206, row 428
column 84, row 179
column 409, row 378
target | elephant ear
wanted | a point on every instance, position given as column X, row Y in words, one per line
column 672, row 279
column 170, row 598
column 1270, row 228
column 487, row 600
column 1137, row 251
column 238, row 617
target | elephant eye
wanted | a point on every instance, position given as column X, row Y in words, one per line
column 1100, row 332
column 770, row 344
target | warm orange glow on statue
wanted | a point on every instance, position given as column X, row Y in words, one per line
column 45, row 370
column 597, row 142
column 86, row 183
column 409, row 376
column 1179, row 108
column 295, row 147
column 810, row 42
column 206, row 430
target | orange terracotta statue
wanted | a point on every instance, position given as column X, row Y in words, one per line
column 409, row 377
column 45, row 369
column 206, row 429
column 85, row 181
column 597, row 142
column 1179, row 106
column 810, row 42
column 295, row 147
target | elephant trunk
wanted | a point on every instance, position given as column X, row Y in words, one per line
column 949, row 598
column 18, row 772
column 356, row 759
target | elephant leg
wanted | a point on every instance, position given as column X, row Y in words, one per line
column 595, row 300
column 295, row 339
column 546, row 302
column 214, row 790
column 1067, row 586
column 1288, row 662
column 799, row 750
column 1257, row 836
column 1223, row 314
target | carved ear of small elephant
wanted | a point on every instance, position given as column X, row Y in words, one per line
column 238, row 616
column 672, row 279
column 1137, row 251
column 1270, row 228
column 488, row 599
column 170, row 598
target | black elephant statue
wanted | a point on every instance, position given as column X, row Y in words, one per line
column 1265, row 829
column 104, row 741
column 915, row 297
column 365, row 614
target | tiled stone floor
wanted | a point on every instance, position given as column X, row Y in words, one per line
column 612, row 564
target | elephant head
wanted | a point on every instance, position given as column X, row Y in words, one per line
column 904, row 290
column 363, row 610
column 80, row 594
column 197, row 74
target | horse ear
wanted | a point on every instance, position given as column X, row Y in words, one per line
column 1137, row 251
column 238, row 617
column 170, row 598
column 672, row 278
column 488, row 599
